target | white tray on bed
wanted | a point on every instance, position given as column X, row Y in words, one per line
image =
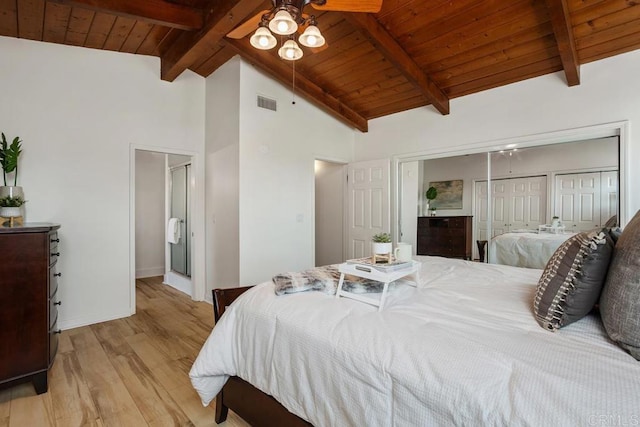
column 371, row 273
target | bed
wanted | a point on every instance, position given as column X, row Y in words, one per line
column 525, row 249
column 462, row 348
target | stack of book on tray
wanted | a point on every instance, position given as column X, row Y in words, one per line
column 386, row 267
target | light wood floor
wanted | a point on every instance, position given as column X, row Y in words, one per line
column 127, row 372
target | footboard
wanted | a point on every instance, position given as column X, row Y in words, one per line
column 252, row 405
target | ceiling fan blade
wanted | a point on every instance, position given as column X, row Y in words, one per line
column 247, row 27
column 369, row 6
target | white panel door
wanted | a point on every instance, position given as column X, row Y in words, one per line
column 501, row 206
column 578, row 200
column 368, row 206
column 528, row 198
column 608, row 195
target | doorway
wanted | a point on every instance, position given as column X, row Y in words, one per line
column 150, row 211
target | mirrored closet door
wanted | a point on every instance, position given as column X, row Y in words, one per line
column 512, row 195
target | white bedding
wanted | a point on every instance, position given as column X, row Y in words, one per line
column 461, row 349
column 528, row 250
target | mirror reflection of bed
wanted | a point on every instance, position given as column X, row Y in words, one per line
column 575, row 181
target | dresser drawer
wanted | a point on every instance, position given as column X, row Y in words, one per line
column 54, row 333
column 53, row 255
column 53, row 309
column 53, row 279
column 53, row 240
column 457, row 222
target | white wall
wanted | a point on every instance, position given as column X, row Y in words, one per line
column 223, row 174
column 78, row 111
column 277, row 154
column 539, row 105
column 150, row 213
column 260, row 176
column 329, row 213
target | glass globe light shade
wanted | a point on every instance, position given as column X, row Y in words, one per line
column 283, row 24
column 263, row 39
column 311, row 37
column 290, row 51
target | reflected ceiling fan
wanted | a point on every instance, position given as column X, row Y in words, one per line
column 287, row 17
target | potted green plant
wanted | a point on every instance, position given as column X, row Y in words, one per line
column 11, row 207
column 9, row 155
column 382, row 244
column 431, row 194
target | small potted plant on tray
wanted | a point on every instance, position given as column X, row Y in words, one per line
column 382, row 244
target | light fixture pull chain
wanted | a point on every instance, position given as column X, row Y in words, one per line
column 293, row 83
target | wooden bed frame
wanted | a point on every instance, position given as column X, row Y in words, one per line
column 252, row 405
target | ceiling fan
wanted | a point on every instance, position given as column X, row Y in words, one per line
column 287, row 17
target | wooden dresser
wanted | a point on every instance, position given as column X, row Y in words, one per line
column 28, row 303
column 447, row 236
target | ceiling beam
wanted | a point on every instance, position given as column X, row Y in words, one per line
column 159, row 12
column 282, row 72
column 223, row 16
column 394, row 53
column 561, row 23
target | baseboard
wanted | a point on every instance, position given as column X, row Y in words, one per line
column 149, row 272
column 90, row 320
column 179, row 282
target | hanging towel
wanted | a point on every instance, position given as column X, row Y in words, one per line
column 173, row 230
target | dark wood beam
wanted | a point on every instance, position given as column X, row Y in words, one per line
column 216, row 61
column 159, row 12
column 281, row 71
column 223, row 16
column 561, row 23
column 394, row 53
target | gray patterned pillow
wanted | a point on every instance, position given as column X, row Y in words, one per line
column 620, row 301
column 572, row 280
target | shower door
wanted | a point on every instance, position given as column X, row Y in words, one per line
column 181, row 252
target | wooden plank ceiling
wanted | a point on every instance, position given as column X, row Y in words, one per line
column 411, row 54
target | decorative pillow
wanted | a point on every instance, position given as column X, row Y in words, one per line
column 614, row 233
column 572, row 280
column 611, row 222
column 620, row 301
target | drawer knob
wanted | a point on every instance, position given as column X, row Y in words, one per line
column 55, row 240
column 57, row 303
column 55, row 253
column 59, row 331
column 57, row 274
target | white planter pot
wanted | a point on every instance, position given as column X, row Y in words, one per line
column 382, row 248
column 10, row 212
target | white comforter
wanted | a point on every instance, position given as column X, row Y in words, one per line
column 461, row 349
column 529, row 250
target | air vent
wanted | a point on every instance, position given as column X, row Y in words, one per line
column 269, row 104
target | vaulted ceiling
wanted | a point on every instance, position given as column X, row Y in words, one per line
column 410, row 54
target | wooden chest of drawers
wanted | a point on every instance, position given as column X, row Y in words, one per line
column 28, row 303
column 447, row 236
